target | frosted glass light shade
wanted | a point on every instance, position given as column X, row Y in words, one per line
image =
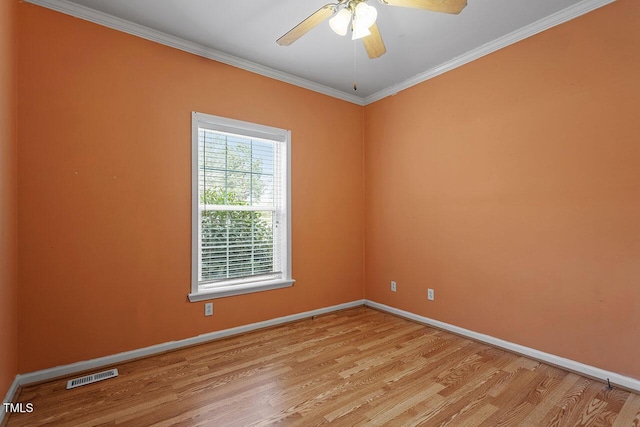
column 340, row 23
column 359, row 31
column 365, row 15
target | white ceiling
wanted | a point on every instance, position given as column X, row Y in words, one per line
column 420, row 44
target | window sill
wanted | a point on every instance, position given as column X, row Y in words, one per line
column 227, row 291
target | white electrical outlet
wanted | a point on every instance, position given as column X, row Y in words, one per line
column 208, row 309
column 430, row 295
column 393, row 286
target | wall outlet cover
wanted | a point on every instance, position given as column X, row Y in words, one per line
column 208, row 309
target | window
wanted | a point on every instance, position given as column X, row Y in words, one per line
column 240, row 208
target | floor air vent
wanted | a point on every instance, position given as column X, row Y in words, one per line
column 93, row 378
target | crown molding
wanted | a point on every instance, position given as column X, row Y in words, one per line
column 550, row 21
column 147, row 33
column 100, row 18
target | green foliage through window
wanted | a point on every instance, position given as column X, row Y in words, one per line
column 235, row 243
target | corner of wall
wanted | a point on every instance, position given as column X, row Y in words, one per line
column 8, row 199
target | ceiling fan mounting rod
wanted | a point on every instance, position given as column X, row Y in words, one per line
column 350, row 4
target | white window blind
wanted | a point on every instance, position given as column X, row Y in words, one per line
column 241, row 207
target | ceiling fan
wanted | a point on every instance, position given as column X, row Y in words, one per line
column 362, row 18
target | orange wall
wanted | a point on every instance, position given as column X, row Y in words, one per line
column 511, row 186
column 8, row 198
column 104, row 185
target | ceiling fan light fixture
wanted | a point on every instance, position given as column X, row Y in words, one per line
column 359, row 31
column 340, row 22
column 365, row 15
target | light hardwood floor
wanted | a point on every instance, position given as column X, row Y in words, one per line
column 354, row 367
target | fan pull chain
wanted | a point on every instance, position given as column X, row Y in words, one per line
column 355, row 86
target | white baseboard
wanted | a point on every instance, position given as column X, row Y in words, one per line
column 568, row 364
column 65, row 370
column 9, row 397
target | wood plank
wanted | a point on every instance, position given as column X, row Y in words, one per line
column 549, row 401
column 569, row 409
column 629, row 415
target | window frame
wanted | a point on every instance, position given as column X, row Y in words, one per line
column 251, row 130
